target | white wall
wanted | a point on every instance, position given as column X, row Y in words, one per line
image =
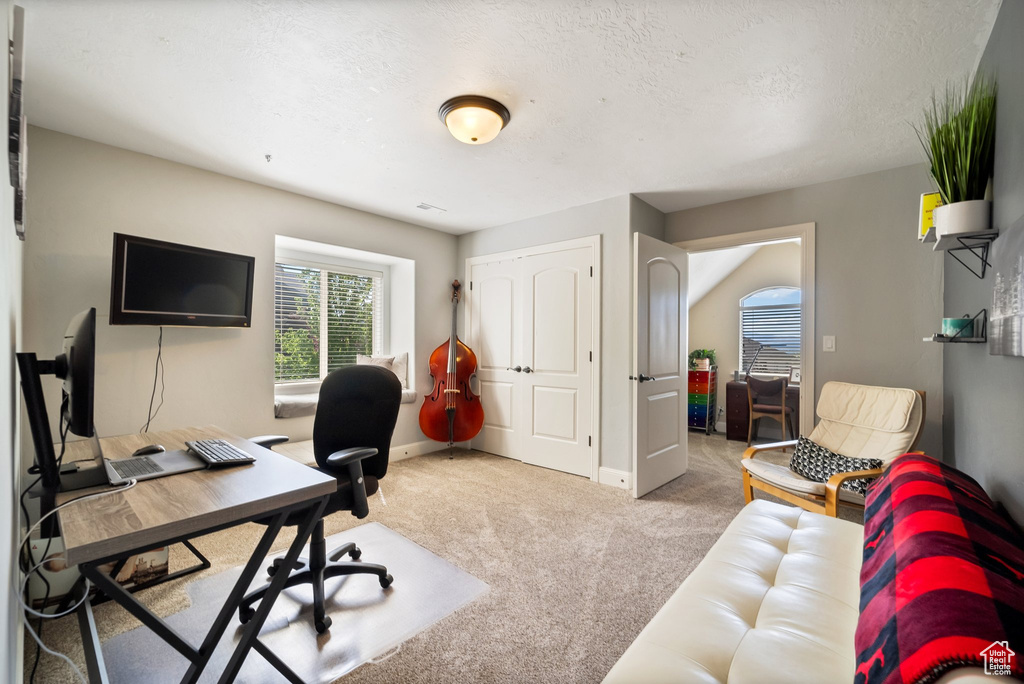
column 11, row 250
column 715, row 320
column 877, row 290
column 82, row 192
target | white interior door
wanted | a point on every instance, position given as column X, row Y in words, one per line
column 494, row 331
column 659, row 363
column 557, row 377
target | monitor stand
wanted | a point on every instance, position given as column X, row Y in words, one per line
column 70, row 476
column 76, row 476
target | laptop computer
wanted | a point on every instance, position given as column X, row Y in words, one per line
column 140, row 468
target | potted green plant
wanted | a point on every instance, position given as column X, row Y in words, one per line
column 702, row 359
column 958, row 136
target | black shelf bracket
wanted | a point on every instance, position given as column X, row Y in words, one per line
column 975, row 336
column 978, row 245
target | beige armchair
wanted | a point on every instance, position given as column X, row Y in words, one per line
column 858, row 421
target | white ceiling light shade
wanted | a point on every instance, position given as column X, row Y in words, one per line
column 474, row 119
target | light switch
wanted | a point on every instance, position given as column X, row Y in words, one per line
column 828, row 343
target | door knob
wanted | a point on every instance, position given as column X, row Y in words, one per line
column 527, row 369
column 517, row 369
column 645, row 378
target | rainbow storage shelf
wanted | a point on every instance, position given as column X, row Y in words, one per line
column 702, row 396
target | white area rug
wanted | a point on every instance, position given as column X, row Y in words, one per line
column 368, row 621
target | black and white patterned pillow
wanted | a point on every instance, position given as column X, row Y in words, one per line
column 817, row 463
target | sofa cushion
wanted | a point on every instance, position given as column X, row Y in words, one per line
column 774, row 600
column 942, row 575
column 817, row 463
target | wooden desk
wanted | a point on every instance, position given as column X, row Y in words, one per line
column 737, row 410
column 167, row 510
column 181, row 505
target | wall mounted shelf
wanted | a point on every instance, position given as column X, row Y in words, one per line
column 938, row 337
column 976, row 243
column 963, row 340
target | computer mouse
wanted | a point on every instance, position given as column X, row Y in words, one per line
column 149, row 449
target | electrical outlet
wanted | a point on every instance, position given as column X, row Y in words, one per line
column 828, row 343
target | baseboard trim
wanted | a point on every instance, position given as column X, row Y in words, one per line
column 615, row 478
column 427, row 446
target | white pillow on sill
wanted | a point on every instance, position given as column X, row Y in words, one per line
column 397, row 364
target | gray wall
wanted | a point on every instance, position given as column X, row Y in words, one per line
column 10, row 392
column 877, row 289
column 83, row 192
column 984, row 395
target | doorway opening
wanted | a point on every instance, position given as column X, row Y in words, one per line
column 751, row 300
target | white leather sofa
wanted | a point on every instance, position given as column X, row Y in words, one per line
column 775, row 600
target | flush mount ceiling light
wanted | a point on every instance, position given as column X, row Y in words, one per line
column 474, row 119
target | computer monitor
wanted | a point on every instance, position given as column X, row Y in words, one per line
column 75, row 366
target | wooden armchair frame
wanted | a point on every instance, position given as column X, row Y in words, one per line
column 828, row 504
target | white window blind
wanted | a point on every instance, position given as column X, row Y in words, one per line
column 323, row 317
column 774, row 328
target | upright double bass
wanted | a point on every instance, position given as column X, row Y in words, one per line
column 452, row 412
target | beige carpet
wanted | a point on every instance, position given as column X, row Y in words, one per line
column 575, row 569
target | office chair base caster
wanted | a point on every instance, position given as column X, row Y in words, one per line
column 386, row 581
column 322, row 625
column 278, row 562
column 246, row 614
column 351, row 549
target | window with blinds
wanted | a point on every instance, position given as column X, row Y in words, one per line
column 323, row 317
column 770, row 322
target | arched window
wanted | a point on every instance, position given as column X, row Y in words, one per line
column 770, row 322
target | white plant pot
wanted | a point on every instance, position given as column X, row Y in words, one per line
column 963, row 217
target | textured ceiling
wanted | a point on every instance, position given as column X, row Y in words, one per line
column 684, row 103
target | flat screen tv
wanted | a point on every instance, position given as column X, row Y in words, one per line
column 163, row 283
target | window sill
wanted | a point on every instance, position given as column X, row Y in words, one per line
column 292, row 404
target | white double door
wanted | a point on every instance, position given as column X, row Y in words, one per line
column 531, row 324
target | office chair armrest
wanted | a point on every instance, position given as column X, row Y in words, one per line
column 352, row 460
column 269, row 441
column 347, row 456
column 774, row 446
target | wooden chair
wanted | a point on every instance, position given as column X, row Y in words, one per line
column 758, row 394
column 858, row 421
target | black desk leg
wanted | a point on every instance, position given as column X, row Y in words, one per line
column 200, row 658
column 235, row 597
column 251, row 633
column 95, row 666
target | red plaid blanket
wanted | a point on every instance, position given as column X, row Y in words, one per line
column 942, row 585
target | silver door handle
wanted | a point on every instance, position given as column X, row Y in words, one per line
column 527, row 369
column 517, row 369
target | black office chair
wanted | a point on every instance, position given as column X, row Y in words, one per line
column 355, row 418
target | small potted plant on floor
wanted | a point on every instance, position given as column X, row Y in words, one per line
column 702, row 359
column 958, row 136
